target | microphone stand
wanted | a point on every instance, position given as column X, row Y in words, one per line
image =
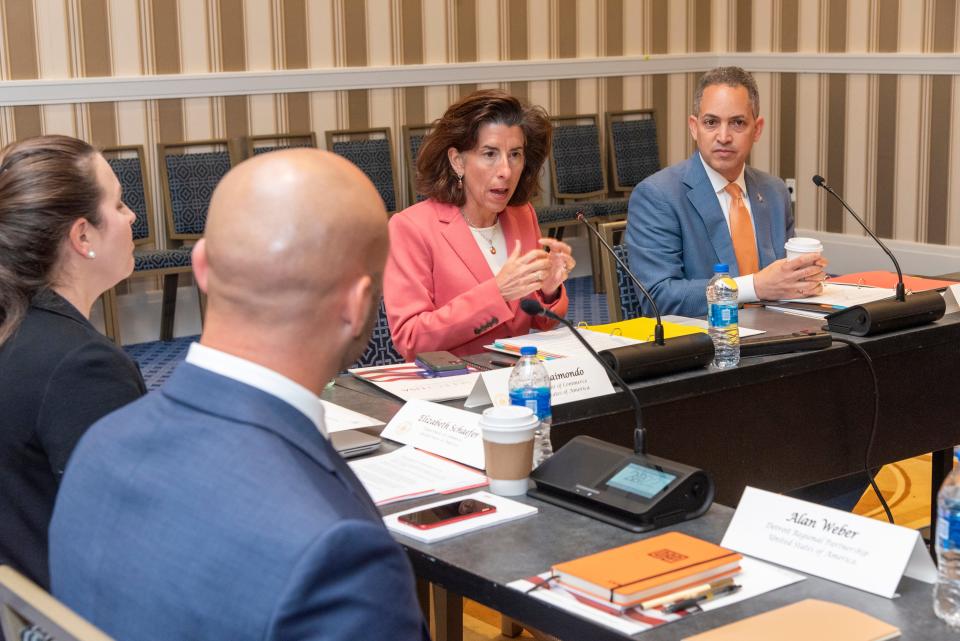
column 659, row 356
column 534, row 308
column 882, row 315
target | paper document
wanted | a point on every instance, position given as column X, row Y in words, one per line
column 409, row 382
column 846, row 295
column 339, row 419
column 408, row 473
column 507, row 510
column 560, row 343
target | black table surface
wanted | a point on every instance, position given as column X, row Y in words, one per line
column 479, row 565
column 786, row 421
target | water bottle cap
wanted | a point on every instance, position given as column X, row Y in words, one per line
column 721, row 268
column 528, row 350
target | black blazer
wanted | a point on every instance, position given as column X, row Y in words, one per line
column 58, row 376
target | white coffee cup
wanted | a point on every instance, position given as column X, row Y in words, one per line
column 508, row 432
column 799, row 246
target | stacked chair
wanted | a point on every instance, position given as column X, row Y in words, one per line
column 372, row 151
column 413, row 136
column 623, row 301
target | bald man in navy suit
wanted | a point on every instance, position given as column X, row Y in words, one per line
column 216, row 508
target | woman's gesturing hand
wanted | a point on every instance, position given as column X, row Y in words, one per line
column 523, row 274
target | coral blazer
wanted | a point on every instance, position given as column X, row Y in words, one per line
column 439, row 291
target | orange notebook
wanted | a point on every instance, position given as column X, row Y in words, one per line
column 649, row 568
column 803, row 621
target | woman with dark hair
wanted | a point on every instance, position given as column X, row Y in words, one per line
column 461, row 261
column 65, row 238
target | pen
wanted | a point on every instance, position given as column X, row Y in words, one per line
column 688, row 593
column 709, row 596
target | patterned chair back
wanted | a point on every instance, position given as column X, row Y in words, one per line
column 628, row 294
column 30, row 613
column 371, row 151
column 576, row 166
column 129, row 165
column 190, row 178
column 632, row 140
column 380, row 349
column 413, row 136
column 266, row 143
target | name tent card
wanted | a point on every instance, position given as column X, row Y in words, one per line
column 951, row 297
column 571, row 379
column 862, row 553
column 446, row 431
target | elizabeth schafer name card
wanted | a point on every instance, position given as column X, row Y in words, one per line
column 862, row 553
column 439, row 429
column 571, row 379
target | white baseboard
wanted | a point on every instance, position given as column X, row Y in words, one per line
column 848, row 253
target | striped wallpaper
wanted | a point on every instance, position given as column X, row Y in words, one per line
column 890, row 143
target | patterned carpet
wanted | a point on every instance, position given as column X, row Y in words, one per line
column 157, row 359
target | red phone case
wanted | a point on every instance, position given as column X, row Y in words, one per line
column 453, row 519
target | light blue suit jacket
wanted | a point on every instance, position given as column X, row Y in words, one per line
column 676, row 232
column 211, row 510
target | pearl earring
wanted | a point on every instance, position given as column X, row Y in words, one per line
column 460, row 181
column 91, row 254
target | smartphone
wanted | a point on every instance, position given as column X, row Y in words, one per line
column 447, row 513
column 440, row 361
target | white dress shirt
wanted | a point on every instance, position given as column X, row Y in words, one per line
column 746, row 291
column 264, row 379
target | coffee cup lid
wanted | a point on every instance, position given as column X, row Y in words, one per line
column 804, row 244
column 508, row 416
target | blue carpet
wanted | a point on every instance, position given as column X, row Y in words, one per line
column 158, row 359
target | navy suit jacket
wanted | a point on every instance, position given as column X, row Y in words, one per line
column 676, row 232
column 212, row 510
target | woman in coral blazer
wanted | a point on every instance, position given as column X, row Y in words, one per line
column 461, row 261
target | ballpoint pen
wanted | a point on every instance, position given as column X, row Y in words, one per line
column 709, row 596
column 687, row 593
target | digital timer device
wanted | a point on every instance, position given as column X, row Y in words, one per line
column 637, row 492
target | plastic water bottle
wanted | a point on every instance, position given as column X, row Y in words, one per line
column 946, row 592
column 529, row 386
column 722, row 316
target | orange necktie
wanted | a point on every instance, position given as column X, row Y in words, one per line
column 741, row 232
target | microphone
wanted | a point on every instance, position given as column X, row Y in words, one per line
column 534, row 308
column 883, row 315
column 658, row 357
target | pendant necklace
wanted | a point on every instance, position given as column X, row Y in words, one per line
column 480, row 230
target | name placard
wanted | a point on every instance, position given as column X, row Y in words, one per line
column 951, row 296
column 446, row 431
column 853, row 550
column 571, row 379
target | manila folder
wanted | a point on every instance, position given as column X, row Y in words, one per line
column 803, row 621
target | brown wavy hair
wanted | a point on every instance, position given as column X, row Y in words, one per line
column 46, row 183
column 459, row 128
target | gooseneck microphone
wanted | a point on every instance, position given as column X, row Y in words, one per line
column 883, row 315
column 534, row 308
column 658, row 328
column 658, row 357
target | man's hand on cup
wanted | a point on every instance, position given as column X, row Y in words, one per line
column 523, row 274
column 796, row 278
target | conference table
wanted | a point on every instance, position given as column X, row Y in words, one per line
column 774, row 422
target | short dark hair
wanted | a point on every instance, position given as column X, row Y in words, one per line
column 732, row 77
column 459, row 127
column 46, row 183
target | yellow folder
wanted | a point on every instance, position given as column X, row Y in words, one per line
column 642, row 329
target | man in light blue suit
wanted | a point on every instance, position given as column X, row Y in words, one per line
column 679, row 222
column 215, row 508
